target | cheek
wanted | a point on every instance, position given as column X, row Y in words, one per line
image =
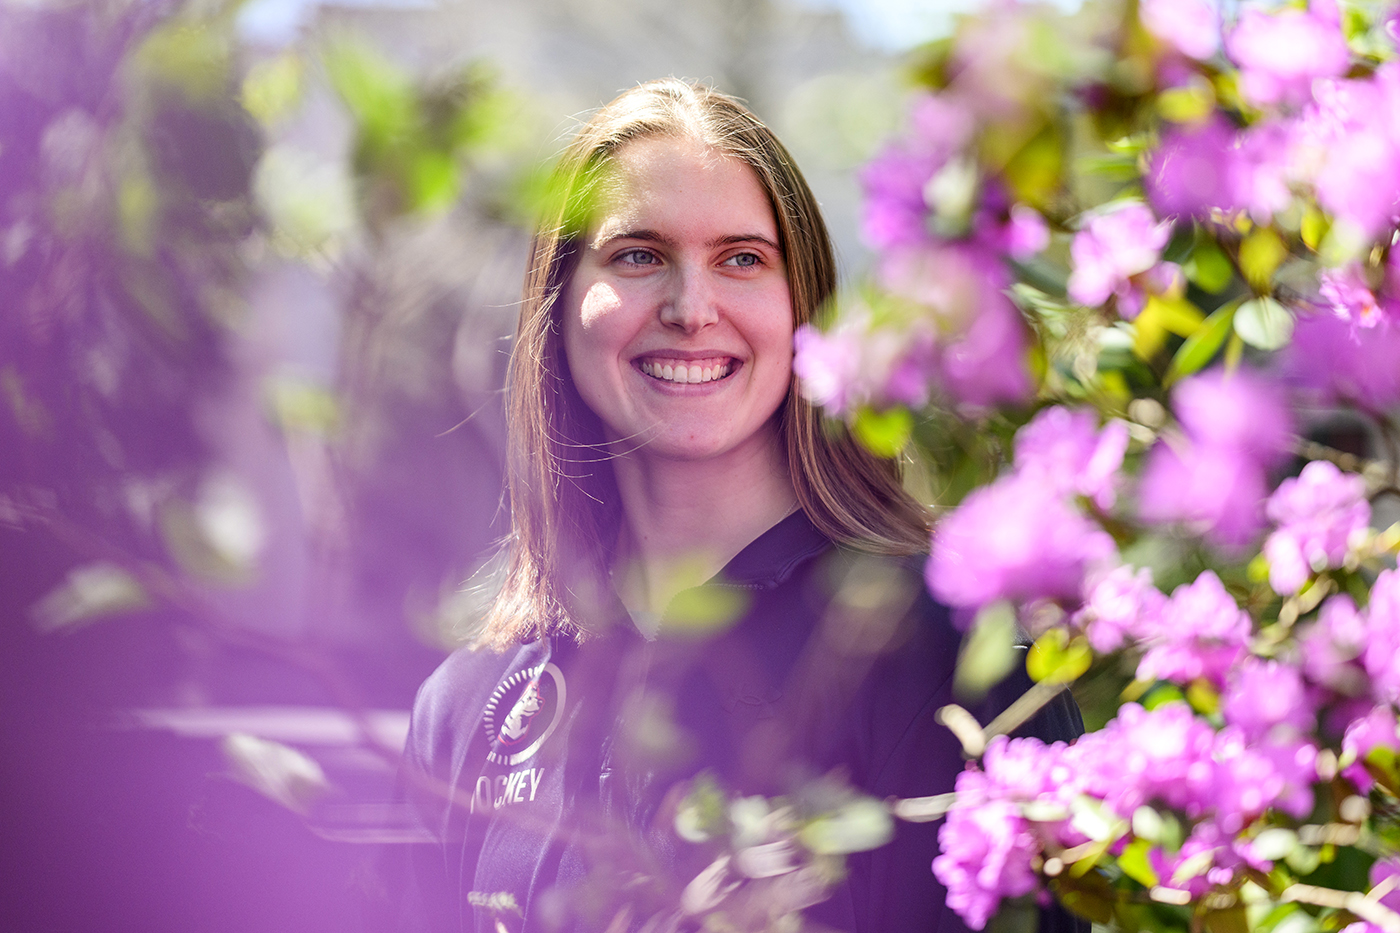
column 597, row 305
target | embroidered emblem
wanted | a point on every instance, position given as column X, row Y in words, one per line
column 523, row 712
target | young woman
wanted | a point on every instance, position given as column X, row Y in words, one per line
column 701, row 576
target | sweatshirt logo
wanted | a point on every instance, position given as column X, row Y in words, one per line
column 522, row 712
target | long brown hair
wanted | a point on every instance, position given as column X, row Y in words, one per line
column 565, row 511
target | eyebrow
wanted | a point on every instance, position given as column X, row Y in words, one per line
column 652, row 236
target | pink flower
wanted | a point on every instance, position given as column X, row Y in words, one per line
column 1241, row 409
column 982, row 358
column 1191, row 172
column 1121, row 606
column 1376, row 729
column 985, row 851
column 1331, row 647
column 1113, row 247
column 1382, row 655
column 828, row 364
column 1014, row 539
column 1319, row 514
column 1280, row 53
column 1026, row 232
column 1348, row 145
column 1257, row 776
column 1201, row 632
column 1263, row 695
column 1066, row 450
column 1351, row 297
column 1213, row 481
column 1337, row 365
column 1191, row 26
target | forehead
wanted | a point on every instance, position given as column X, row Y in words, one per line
column 681, row 180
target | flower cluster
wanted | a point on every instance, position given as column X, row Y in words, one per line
column 1115, row 288
column 1024, row 537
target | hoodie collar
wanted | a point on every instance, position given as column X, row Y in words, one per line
column 772, row 557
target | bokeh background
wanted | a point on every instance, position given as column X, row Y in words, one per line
column 258, row 272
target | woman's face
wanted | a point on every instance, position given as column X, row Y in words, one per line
column 677, row 321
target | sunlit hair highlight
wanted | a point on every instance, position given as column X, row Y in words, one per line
column 565, row 507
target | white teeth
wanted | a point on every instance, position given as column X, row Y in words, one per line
column 684, row 374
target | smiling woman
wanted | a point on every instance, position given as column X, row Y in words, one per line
column 701, row 576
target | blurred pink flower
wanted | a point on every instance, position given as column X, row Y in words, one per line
column 1242, row 409
column 982, row 357
column 1376, row 729
column 1201, row 632
column 1348, row 144
column 896, row 209
column 1349, row 294
column 1336, row 365
column 1122, row 606
column 1214, row 480
column 1015, row 539
column 828, row 364
column 1066, row 449
column 1331, row 647
column 1026, row 232
column 1281, row 52
column 1262, row 695
column 1318, row 514
column 1190, row 173
column 1190, row 26
column 1382, row 654
column 1114, row 246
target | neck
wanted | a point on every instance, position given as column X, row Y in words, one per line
column 685, row 519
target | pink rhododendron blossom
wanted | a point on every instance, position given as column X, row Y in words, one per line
column 1376, row 729
column 1026, row 232
column 1262, row 169
column 1263, row 695
column 1067, row 450
column 1190, row 173
column 1192, row 27
column 1014, row 539
column 1113, row 247
column 1121, row 606
column 1201, row 632
column 1281, row 52
column 1382, row 655
column 1213, row 481
column 828, row 364
column 982, row 357
column 1141, row 755
column 1331, row 362
column 1240, row 409
column 985, row 851
column 1257, row 776
column 1217, row 492
column 1319, row 515
column 1349, row 294
column 1331, row 647
column 1347, row 145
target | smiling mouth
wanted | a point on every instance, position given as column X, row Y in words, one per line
column 687, row 372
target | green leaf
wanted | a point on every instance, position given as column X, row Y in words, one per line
column 1260, row 255
column 1230, row 920
column 1200, row 348
column 1136, row 865
column 988, row 651
column 1264, row 323
column 1209, row 267
column 1057, row 658
column 1160, row 316
column 1314, row 227
column 884, row 433
column 1187, row 104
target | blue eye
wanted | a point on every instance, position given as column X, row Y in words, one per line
column 743, row 260
column 638, row 257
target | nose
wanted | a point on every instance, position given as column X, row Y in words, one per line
column 691, row 305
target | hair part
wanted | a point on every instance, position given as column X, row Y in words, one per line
column 564, row 502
